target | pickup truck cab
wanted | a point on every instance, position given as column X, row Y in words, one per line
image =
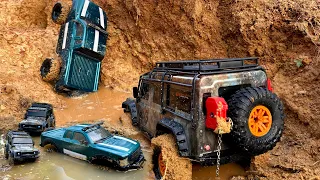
column 92, row 142
column 19, row 146
column 81, row 47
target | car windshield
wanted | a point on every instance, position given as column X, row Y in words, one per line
column 36, row 113
column 99, row 134
column 22, row 141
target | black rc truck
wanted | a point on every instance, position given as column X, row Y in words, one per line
column 199, row 100
column 38, row 118
column 19, row 146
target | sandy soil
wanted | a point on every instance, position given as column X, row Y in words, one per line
column 285, row 34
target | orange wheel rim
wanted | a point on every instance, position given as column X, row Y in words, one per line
column 260, row 121
column 162, row 165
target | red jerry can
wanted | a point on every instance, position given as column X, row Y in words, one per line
column 216, row 107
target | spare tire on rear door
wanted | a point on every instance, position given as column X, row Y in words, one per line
column 60, row 12
column 257, row 116
column 50, row 69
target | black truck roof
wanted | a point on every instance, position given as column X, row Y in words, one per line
column 41, row 105
column 16, row 134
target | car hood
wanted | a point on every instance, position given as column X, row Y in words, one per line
column 24, row 148
column 33, row 120
column 119, row 144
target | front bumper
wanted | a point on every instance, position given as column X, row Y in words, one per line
column 26, row 157
column 135, row 165
column 30, row 128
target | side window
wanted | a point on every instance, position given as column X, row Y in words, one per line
column 157, row 93
column 144, row 90
column 179, row 98
column 79, row 137
column 68, row 134
column 79, row 29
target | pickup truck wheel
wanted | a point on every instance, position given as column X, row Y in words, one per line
column 167, row 164
column 52, row 145
column 257, row 116
column 50, row 69
column 60, row 12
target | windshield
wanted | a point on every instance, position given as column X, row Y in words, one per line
column 22, row 141
column 99, row 134
column 36, row 113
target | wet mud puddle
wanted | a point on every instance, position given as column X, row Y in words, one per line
column 106, row 105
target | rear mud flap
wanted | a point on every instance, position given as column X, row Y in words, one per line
column 130, row 106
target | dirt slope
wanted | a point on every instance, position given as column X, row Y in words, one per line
column 285, row 34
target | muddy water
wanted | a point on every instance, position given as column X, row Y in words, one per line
column 106, row 105
column 52, row 165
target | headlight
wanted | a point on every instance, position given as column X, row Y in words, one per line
column 23, row 125
column 123, row 162
column 39, row 126
column 18, row 154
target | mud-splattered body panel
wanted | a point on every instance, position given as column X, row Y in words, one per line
column 158, row 101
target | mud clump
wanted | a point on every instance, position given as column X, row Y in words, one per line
column 177, row 167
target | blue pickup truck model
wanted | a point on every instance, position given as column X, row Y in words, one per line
column 92, row 142
column 81, row 47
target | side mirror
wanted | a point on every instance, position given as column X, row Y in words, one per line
column 135, row 92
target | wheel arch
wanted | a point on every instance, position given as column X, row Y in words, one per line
column 170, row 126
column 130, row 106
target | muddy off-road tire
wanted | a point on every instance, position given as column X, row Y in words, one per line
column 6, row 154
column 11, row 160
column 51, row 146
column 167, row 164
column 50, row 69
column 60, row 12
column 257, row 116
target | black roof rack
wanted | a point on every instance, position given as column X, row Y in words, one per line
column 208, row 66
column 196, row 68
column 96, row 125
column 41, row 105
column 18, row 133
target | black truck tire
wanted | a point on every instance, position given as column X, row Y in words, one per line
column 11, row 160
column 6, row 154
column 50, row 69
column 167, row 164
column 258, row 119
column 60, row 12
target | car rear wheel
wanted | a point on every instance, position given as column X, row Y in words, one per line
column 60, row 12
column 50, row 69
column 167, row 164
column 159, row 163
column 257, row 116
